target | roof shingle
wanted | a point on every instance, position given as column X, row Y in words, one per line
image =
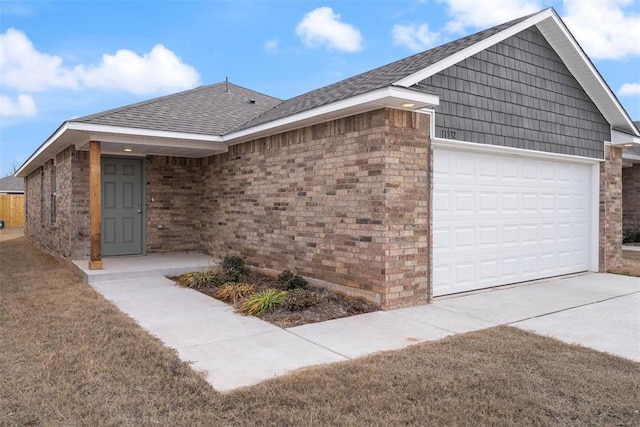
column 207, row 110
column 375, row 79
column 211, row 110
column 11, row 184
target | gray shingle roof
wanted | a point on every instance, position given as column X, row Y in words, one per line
column 208, row 110
column 211, row 110
column 375, row 79
column 11, row 184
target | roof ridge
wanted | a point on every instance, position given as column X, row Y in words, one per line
column 141, row 103
column 162, row 99
column 378, row 73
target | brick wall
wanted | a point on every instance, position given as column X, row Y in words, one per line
column 610, row 240
column 67, row 233
column 344, row 202
column 631, row 197
column 173, row 194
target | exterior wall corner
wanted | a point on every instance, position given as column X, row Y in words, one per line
column 610, row 229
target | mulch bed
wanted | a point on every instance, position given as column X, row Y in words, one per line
column 332, row 306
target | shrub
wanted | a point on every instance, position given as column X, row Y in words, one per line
column 285, row 276
column 631, row 236
column 232, row 292
column 291, row 281
column 301, row 299
column 197, row 279
column 232, row 268
column 263, row 302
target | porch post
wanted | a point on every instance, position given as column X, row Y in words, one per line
column 95, row 209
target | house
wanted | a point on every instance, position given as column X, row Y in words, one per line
column 631, row 187
column 11, row 201
column 11, row 185
column 490, row 160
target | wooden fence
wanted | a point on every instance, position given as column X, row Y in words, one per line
column 12, row 210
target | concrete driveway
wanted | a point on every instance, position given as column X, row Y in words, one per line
column 600, row 311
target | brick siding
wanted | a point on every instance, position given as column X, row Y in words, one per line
column 344, row 202
column 173, row 194
column 631, row 197
column 68, row 235
column 610, row 239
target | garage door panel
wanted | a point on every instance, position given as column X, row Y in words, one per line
column 506, row 219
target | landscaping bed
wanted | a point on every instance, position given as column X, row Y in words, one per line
column 285, row 301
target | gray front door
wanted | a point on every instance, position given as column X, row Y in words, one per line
column 122, row 207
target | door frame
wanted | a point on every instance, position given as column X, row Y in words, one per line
column 143, row 195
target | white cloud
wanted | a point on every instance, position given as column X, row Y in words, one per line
column 25, row 106
column 271, row 45
column 415, row 37
column 322, row 27
column 481, row 14
column 629, row 89
column 603, row 28
column 158, row 70
column 24, row 68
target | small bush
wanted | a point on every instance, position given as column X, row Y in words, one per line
column 285, row 276
column 291, row 281
column 263, row 302
column 631, row 236
column 232, row 292
column 232, row 268
column 197, row 279
column 301, row 299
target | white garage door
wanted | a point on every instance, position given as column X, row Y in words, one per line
column 500, row 219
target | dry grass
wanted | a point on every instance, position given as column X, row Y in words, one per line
column 11, row 233
column 68, row 357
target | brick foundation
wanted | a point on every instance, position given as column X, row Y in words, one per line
column 610, row 239
column 631, row 197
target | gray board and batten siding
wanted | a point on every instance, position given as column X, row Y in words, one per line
column 518, row 93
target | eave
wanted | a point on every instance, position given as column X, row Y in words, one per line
column 143, row 142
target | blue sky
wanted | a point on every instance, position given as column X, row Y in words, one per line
column 65, row 59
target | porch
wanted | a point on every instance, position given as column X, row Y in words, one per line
column 134, row 267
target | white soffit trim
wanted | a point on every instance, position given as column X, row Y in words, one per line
column 624, row 139
column 45, row 145
column 393, row 97
column 519, row 152
column 149, row 133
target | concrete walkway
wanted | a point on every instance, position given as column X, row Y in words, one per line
column 601, row 311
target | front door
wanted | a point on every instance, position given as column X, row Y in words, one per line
column 122, row 207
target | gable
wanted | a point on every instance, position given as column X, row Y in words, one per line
column 518, row 93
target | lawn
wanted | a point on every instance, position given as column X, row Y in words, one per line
column 69, row 357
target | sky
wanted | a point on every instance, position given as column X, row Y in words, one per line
column 65, row 59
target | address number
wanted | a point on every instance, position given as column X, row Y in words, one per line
column 447, row 133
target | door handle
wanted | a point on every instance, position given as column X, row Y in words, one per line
column 139, row 210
